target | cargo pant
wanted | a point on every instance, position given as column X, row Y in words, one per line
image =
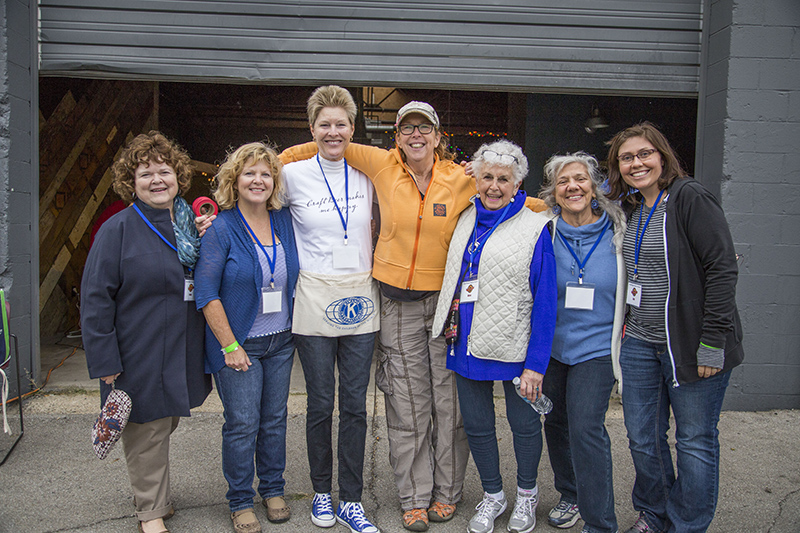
column 428, row 448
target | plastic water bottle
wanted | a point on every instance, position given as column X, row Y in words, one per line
column 542, row 405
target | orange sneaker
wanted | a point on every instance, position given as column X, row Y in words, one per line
column 441, row 512
column 415, row 520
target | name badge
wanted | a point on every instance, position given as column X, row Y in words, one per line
column 634, row 296
column 345, row 256
column 469, row 289
column 271, row 299
column 579, row 296
column 188, row 290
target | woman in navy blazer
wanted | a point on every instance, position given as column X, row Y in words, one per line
column 245, row 280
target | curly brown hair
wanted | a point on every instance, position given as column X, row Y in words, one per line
column 621, row 191
column 146, row 148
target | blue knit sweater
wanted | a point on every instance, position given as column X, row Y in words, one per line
column 229, row 270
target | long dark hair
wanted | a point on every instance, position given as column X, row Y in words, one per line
column 672, row 168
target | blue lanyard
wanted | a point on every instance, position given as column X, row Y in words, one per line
column 478, row 242
column 345, row 219
column 639, row 239
column 582, row 264
column 152, row 227
column 271, row 262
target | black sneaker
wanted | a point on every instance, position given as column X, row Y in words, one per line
column 640, row 526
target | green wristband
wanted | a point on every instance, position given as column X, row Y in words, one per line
column 231, row 348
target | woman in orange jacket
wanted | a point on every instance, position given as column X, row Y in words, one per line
column 421, row 193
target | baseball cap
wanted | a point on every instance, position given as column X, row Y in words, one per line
column 422, row 108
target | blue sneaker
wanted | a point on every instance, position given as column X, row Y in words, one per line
column 322, row 510
column 351, row 514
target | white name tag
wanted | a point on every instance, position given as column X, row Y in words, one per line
column 634, row 296
column 469, row 290
column 579, row 296
column 345, row 256
column 188, row 290
column 271, row 299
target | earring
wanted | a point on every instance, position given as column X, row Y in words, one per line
column 595, row 205
column 556, row 209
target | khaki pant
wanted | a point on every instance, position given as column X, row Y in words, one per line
column 428, row 448
column 147, row 455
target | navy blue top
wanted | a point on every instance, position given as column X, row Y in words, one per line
column 135, row 321
column 543, row 317
column 229, row 270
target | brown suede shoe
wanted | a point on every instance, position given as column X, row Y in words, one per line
column 245, row 521
column 278, row 510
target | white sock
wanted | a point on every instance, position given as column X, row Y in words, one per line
column 528, row 492
column 499, row 496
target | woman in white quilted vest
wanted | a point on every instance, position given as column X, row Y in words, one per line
column 498, row 313
column 590, row 270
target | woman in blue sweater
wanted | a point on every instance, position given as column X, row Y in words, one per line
column 500, row 276
column 591, row 309
column 245, row 278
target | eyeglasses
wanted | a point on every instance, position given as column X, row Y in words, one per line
column 643, row 156
column 408, row 129
column 504, row 159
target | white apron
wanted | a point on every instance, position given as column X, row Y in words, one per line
column 336, row 305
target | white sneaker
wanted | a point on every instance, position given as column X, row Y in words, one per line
column 564, row 515
column 488, row 510
column 523, row 519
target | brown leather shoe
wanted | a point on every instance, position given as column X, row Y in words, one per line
column 278, row 510
column 245, row 521
column 441, row 512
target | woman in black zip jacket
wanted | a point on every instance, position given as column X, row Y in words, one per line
column 682, row 331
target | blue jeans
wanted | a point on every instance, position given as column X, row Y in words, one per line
column 353, row 355
column 254, row 401
column 477, row 408
column 577, row 440
column 686, row 502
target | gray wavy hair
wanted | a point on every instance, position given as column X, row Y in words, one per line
column 503, row 153
column 553, row 168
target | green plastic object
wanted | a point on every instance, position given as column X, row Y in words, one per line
column 5, row 357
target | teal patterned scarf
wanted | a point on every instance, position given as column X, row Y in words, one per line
column 185, row 233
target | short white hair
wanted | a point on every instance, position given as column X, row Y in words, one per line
column 503, row 153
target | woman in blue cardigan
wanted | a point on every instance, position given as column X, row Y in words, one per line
column 245, row 279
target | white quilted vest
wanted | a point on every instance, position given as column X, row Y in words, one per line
column 501, row 322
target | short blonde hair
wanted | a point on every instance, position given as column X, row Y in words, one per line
column 146, row 148
column 225, row 191
column 331, row 96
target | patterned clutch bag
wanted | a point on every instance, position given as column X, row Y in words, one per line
column 113, row 417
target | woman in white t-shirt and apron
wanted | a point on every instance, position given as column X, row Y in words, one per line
column 336, row 311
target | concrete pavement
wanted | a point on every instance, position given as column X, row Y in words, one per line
column 53, row 482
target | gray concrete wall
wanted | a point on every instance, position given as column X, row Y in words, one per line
column 19, row 179
column 750, row 129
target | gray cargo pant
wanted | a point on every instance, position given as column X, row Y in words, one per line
column 428, row 448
